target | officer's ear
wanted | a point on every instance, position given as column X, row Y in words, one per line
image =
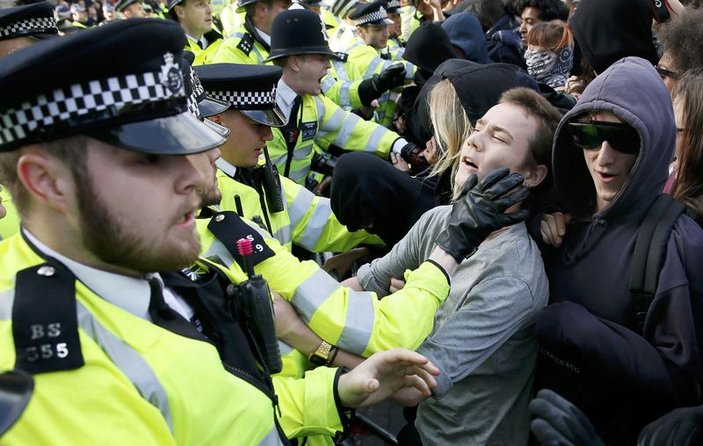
column 180, row 13
column 46, row 178
column 294, row 62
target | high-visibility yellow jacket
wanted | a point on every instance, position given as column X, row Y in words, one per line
column 355, row 321
column 203, row 56
column 323, row 123
column 409, row 22
column 306, row 220
column 241, row 47
column 10, row 224
column 142, row 384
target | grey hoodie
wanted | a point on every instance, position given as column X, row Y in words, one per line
column 593, row 352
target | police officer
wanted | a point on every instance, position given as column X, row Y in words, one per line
column 250, row 43
column 119, row 352
column 370, row 51
column 22, row 26
column 79, row 14
column 195, row 17
column 129, row 9
column 282, row 207
column 300, row 47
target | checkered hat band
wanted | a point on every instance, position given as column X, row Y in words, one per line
column 198, row 91
column 246, row 99
column 28, row 26
column 79, row 101
column 372, row 17
column 393, row 4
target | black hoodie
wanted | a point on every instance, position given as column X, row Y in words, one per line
column 593, row 352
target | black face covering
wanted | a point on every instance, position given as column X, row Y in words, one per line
column 368, row 192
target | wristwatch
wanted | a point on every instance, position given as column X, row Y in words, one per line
column 324, row 354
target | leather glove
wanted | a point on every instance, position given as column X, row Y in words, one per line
column 682, row 427
column 391, row 77
column 479, row 211
column 413, row 155
column 558, row 422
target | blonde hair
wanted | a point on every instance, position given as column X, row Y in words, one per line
column 552, row 35
column 450, row 123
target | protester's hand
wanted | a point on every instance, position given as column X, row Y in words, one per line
column 396, row 285
column 399, row 163
column 431, row 152
column 682, row 427
column 391, row 77
column 340, row 265
column 557, row 422
column 385, row 373
column 553, row 228
column 414, row 155
column 480, row 210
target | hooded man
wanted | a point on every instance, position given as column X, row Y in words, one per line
column 611, row 154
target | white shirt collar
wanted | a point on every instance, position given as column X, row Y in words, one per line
column 265, row 37
column 226, row 167
column 202, row 39
column 285, row 97
column 129, row 293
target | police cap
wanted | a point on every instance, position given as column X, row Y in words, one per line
column 199, row 104
column 123, row 4
column 35, row 20
column 136, row 100
column 298, row 31
column 251, row 89
column 373, row 13
column 392, row 6
column 342, row 8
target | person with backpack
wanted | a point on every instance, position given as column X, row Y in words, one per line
column 621, row 359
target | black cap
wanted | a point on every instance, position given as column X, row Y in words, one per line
column 35, row 20
column 373, row 13
column 298, row 31
column 392, row 6
column 122, row 4
column 199, row 104
column 136, row 100
column 251, row 89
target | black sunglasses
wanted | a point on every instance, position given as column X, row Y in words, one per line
column 663, row 72
column 590, row 135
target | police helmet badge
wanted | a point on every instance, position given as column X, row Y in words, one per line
column 171, row 75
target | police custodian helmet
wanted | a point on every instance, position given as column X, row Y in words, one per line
column 136, row 100
column 298, row 31
column 251, row 89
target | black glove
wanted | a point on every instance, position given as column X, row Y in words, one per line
column 374, row 87
column 479, row 210
column 391, row 77
column 682, row 427
column 558, row 422
column 412, row 154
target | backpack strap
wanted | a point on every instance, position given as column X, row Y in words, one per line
column 650, row 252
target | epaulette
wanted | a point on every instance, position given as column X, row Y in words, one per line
column 44, row 319
column 342, row 56
column 228, row 227
column 246, row 43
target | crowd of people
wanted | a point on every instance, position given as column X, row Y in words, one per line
column 237, row 222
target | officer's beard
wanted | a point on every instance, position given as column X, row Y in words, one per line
column 118, row 245
column 210, row 194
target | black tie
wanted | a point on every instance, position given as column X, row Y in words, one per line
column 290, row 132
column 165, row 317
column 201, row 44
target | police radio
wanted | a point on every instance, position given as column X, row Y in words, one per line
column 254, row 299
column 272, row 184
